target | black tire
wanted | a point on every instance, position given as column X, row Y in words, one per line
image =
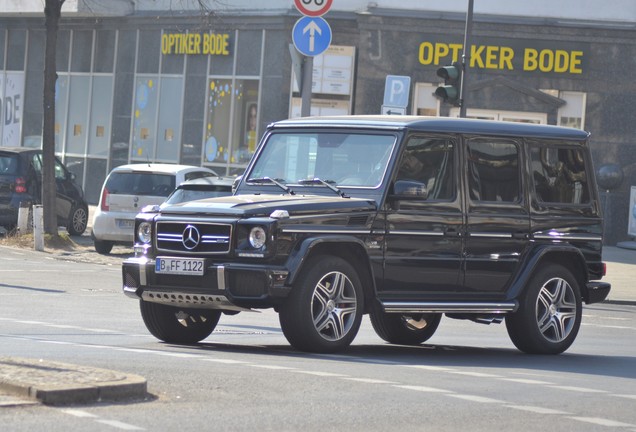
column 77, row 220
column 549, row 314
column 401, row 329
column 178, row 325
column 324, row 309
column 103, row 246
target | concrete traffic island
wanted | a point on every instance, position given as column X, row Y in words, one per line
column 55, row 383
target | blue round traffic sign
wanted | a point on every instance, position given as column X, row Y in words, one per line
column 311, row 35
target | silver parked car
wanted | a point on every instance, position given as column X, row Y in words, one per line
column 127, row 189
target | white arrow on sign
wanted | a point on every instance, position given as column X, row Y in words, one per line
column 312, row 28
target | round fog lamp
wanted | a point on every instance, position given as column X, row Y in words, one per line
column 144, row 232
column 258, row 237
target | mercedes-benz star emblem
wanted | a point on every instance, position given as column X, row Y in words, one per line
column 191, row 237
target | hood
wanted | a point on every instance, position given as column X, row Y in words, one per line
column 264, row 205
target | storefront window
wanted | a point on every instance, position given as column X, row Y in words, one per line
column 16, row 49
column 61, row 101
column 77, row 115
column 144, row 118
column 101, row 106
column 82, row 50
column 170, row 113
column 231, row 139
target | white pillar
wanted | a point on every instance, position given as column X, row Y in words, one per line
column 38, row 228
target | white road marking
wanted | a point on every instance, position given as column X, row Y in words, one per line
column 272, row 367
column 602, row 422
column 578, row 389
column 224, row 361
column 537, row 410
column 119, row 425
column 475, row 374
column 369, row 380
column 319, row 373
column 79, row 413
column 422, row 389
column 478, row 399
column 526, row 381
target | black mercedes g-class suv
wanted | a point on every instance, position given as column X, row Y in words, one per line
column 404, row 218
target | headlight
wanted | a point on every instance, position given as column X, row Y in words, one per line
column 144, row 232
column 258, row 237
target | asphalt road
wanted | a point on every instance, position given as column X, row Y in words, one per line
column 245, row 376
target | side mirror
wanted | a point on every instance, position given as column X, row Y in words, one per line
column 409, row 190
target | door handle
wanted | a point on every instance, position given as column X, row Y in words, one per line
column 452, row 233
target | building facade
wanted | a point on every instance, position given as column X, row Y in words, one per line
column 144, row 81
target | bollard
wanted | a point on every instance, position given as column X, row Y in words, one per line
column 38, row 228
column 23, row 217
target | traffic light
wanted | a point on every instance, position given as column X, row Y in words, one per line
column 452, row 75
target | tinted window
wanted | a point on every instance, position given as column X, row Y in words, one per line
column 428, row 162
column 493, row 170
column 8, row 164
column 559, row 175
column 346, row 159
column 197, row 174
column 140, row 184
column 183, row 195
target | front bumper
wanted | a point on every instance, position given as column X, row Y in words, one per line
column 224, row 286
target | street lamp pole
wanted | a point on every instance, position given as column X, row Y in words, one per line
column 465, row 59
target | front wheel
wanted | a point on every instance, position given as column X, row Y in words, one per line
column 77, row 221
column 549, row 315
column 178, row 325
column 324, row 309
column 400, row 329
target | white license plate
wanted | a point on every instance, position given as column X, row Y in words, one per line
column 180, row 266
column 125, row 223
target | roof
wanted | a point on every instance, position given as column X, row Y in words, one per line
column 438, row 124
column 160, row 168
column 208, row 181
column 20, row 149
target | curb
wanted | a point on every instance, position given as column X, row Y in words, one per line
column 55, row 383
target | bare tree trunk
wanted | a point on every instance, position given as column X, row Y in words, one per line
column 52, row 13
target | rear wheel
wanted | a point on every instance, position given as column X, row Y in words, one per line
column 77, row 221
column 324, row 309
column 411, row 329
column 549, row 315
column 103, row 246
column 178, row 325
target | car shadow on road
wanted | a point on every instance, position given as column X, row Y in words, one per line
column 443, row 356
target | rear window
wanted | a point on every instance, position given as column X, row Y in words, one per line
column 8, row 164
column 140, row 184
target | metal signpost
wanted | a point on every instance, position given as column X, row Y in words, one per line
column 311, row 36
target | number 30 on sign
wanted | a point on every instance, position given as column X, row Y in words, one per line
column 313, row 8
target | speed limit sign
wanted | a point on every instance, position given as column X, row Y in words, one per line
column 313, row 8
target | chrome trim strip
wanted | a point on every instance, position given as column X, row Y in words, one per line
column 422, row 307
column 324, row 231
column 220, row 277
column 489, row 234
column 567, row 236
column 417, row 233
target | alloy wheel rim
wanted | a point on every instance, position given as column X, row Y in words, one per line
column 556, row 310
column 334, row 306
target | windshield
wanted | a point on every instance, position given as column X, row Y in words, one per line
column 344, row 159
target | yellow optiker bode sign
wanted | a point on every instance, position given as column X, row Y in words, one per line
column 504, row 57
column 195, row 43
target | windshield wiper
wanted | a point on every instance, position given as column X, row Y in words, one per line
column 327, row 183
column 276, row 181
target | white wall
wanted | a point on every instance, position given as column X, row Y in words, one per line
column 604, row 10
column 621, row 11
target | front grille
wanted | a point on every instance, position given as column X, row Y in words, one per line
column 193, row 237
